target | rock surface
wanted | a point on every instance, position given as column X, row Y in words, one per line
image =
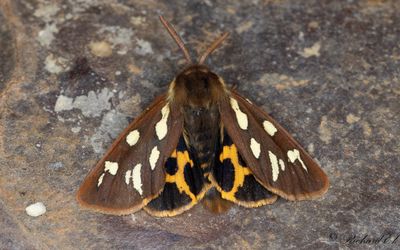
column 74, row 73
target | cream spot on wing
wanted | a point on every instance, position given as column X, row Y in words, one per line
column 154, row 155
column 136, row 178
column 161, row 126
column 274, row 164
column 294, row 155
column 135, row 175
column 221, row 81
column 255, row 147
column 100, row 180
column 111, row 167
column 269, row 128
column 249, row 101
column 128, row 177
column 240, row 116
column 133, row 137
column 171, row 90
column 282, row 164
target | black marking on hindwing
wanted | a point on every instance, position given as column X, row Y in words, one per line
column 235, row 181
column 184, row 184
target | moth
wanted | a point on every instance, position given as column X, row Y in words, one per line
column 199, row 140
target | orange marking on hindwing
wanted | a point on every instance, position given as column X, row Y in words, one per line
column 182, row 158
column 230, row 152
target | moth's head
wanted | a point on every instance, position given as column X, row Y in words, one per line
column 196, row 85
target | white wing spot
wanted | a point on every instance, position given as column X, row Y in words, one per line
column 249, row 101
column 161, row 126
column 128, row 177
column 136, row 178
column 294, row 155
column 154, row 155
column 100, row 179
column 240, row 116
column 111, row 167
column 135, row 175
column 255, row 147
column 133, row 137
column 274, row 164
column 282, row 164
column 269, row 128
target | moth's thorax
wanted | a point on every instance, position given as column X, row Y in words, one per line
column 197, row 91
column 197, row 86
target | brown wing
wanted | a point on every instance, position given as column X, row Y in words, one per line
column 132, row 171
column 278, row 162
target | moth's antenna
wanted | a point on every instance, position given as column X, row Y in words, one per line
column 213, row 46
column 177, row 39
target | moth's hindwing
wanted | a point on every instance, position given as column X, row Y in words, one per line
column 277, row 161
column 235, row 181
column 184, row 184
column 131, row 173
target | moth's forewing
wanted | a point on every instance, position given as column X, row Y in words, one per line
column 278, row 162
column 131, row 174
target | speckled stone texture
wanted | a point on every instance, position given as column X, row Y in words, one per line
column 74, row 73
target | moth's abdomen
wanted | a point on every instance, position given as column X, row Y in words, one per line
column 201, row 127
column 203, row 144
